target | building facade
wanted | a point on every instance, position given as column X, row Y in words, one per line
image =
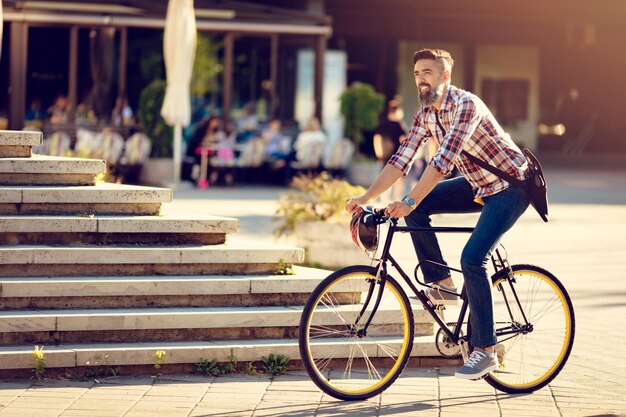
column 550, row 71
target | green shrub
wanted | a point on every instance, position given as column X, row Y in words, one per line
column 318, row 197
column 149, row 115
column 160, row 359
column 208, row 367
column 284, row 268
column 40, row 363
column 275, row 364
column 360, row 105
column 229, row 367
column 250, row 369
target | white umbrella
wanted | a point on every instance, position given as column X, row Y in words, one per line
column 179, row 49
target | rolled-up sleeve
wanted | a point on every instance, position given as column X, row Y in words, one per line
column 405, row 155
column 465, row 121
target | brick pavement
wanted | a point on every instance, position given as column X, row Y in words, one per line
column 583, row 245
column 428, row 392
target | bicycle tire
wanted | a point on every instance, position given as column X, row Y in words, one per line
column 340, row 362
column 529, row 361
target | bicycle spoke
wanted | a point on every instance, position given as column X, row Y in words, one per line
column 371, row 369
column 532, row 357
column 389, row 350
column 325, row 331
column 348, row 372
column 331, row 299
column 329, row 325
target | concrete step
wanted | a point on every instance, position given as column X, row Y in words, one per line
column 50, row 170
column 230, row 258
column 101, row 198
column 174, row 318
column 127, row 354
column 158, row 291
column 179, row 324
column 175, row 229
column 18, row 144
column 20, row 138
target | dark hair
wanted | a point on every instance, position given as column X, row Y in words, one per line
column 441, row 56
column 393, row 105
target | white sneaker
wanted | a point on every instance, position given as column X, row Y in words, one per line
column 479, row 364
column 439, row 297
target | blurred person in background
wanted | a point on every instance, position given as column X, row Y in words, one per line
column 277, row 145
column 57, row 113
column 389, row 134
column 248, row 124
column 309, row 139
column 34, row 115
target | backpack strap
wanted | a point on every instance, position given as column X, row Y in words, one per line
column 495, row 171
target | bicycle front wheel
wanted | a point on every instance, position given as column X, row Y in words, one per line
column 534, row 320
column 342, row 356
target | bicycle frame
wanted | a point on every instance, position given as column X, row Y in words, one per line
column 455, row 336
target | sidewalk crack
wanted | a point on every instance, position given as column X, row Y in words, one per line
column 556, row 405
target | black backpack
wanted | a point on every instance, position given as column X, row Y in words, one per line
column 535, row 183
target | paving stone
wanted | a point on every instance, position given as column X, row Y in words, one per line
column 92, row 413
column 157, row 408
column 185, row 379
column 50, row 395
column 326, row 409
column 23, row 412
column 271, row 410
column 87, row 406
column 292, row 396
column 409, row 413
column 44, row 404
column 215, row 412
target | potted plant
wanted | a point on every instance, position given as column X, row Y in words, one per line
column 361, row 105
column 314, row 210
column 159, row 168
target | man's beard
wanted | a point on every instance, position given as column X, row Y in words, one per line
column 429, row 97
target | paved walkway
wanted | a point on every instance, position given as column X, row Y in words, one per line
column 419, row 392
column 583, row 245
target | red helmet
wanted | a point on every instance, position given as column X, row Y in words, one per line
column 364, row 229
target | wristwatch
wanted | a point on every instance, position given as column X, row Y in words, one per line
column 411, row 202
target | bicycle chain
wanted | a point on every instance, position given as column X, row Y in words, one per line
column 445, row 346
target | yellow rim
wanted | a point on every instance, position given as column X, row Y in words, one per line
column 568, row 330
column 405, row 343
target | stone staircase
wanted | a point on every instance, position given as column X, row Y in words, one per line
column 98, row 276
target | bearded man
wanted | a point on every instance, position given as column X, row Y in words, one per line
column 458, row 121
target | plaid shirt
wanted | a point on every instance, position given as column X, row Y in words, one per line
column 470, row 126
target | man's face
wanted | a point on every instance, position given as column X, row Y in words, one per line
column 430, row 80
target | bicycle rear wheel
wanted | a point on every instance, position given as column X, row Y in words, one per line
column 530, row 359
column 341, row 358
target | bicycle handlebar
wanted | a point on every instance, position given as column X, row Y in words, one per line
column 380, row 217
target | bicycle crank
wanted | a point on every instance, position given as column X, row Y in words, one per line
column 445, row 345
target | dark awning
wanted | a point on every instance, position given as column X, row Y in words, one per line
column 211, row 16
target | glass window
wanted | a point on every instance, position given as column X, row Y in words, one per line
column 507, row 99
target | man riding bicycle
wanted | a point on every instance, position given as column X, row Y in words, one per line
column 458, row 121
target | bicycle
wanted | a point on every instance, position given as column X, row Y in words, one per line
column 360, row 313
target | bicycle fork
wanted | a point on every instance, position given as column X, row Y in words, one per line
column 381, row 278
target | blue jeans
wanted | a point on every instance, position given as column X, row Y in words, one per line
column 498, row 215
